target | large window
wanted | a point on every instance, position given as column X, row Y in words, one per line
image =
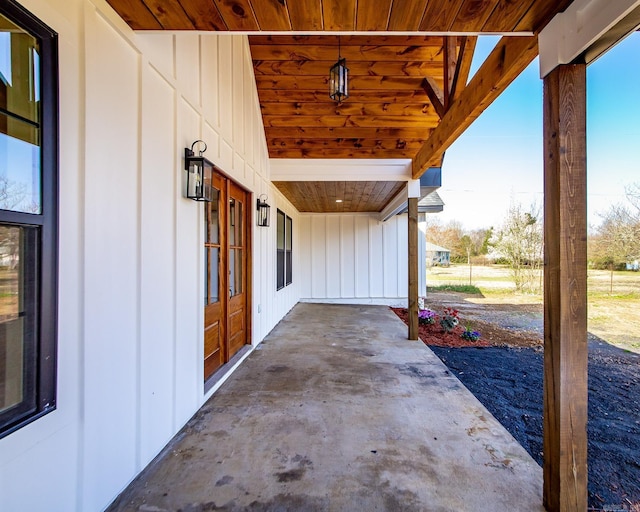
column 28, row 217
column 284, row 245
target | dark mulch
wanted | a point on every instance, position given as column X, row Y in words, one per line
column 508, row 381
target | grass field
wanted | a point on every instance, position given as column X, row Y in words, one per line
column 613, row 306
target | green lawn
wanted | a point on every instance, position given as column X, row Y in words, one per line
column 613, row 307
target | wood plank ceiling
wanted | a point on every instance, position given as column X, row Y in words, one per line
column 400, row 86
column 339, row 196
column 388, row 113
column 470, row 16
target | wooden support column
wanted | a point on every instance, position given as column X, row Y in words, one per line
column 565, row 290
column 413, row 268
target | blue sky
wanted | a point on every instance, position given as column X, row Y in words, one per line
column 499, row 158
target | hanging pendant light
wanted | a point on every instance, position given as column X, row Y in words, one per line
column 338, row 79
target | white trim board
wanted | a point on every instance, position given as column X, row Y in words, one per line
column 338, row 169
column 397, row 302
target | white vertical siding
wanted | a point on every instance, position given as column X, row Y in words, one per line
column 158, row 312
column 354, row 258
column 390, row 254
column 333, row 271
column 376, row 259
column 362, row 235
column 111, row 355
column 318, row 270
column 347, row 256
column 130, row 349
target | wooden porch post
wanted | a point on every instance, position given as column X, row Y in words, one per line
column 413, row 268
column 565, row 290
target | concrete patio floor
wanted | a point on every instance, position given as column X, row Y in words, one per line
column 337, row 411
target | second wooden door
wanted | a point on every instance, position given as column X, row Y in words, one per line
column 226, row 263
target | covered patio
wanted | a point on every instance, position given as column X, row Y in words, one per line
column 148, row 294
column 337, row 410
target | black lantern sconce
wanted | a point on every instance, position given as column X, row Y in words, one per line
column 262, row 212
column 199, row 174
column 339, row 79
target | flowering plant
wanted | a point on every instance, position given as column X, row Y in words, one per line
column 470, row 335
column 449, row 319
column 426, row 317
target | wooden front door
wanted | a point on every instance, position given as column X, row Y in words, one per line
column 226, row 265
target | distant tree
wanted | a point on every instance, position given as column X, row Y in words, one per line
column 617, row 239
column 520, row 241
column 447, row 236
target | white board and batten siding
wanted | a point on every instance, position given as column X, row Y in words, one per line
column 130, row 343
column 354, row 259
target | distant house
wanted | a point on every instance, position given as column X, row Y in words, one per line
column 437, row 255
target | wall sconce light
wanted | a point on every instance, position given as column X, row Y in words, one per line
column 338, row 79
column 262, row 212
column 199, row 174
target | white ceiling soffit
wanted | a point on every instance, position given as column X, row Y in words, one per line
column 338, row 169
column 580, row 27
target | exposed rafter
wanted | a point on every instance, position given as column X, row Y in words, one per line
column 456, row 63
column 507, row 60
column 465, row 56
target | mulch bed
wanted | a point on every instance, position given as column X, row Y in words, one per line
column 505, row 373
column 434, row 335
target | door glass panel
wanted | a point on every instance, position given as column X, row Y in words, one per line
column 232, row 221
column 213, row 232
column 239, row 223
column 235, row 272
column 214, row 279
column 232, row 272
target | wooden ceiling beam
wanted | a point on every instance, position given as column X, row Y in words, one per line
column 356, row 68
column 352, row 143
column 378, row 52
column 406, row 97
column 347, row 40
column 317, row 132
column 435, row 94
column 346, row 108
column 449, row 64
column 463, row 68
column 341, row 153
column 351, row 121
column 356, row 83
column 507, row 60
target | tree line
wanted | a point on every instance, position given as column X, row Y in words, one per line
column 518, row 242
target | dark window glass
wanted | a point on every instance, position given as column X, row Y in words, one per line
column 28, row 217
column 280, row 244
column 288, row 248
